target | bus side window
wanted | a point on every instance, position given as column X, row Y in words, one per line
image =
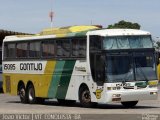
column 51, row 47
column 75, row 48
column 59, row 48
column 95, row 43
column 21, row 50
column 5, row 51
column 34, row 49
column 66, row 48
column 48, row 49
column 82, row 48
column 10, row 50
column 45, row 49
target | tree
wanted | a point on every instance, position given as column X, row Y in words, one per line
column 157, row 46
column 124, row 24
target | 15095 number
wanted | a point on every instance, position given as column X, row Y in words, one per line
column 9, row 67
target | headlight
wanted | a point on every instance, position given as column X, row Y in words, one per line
column 116, row 97
column 113, row 88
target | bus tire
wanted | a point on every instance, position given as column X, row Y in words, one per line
column 129, row 104
column 22, row 93
column 85, row 97
column 31, row 94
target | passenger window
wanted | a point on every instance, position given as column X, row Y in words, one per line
column 75, row 48
column 79, row 47
column 45, row 49
column 34, row 49
column 21, row 50
column 51, row 47
column 82, row 48
column 48, row 49
column 66, row 48
column 10, row 50
column 63, row 48
column 59, row 48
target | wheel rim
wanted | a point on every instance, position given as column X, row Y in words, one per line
column 22, row 93
column 86, row 96
column 31, row 94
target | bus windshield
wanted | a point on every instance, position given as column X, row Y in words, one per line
column 127, row 42
column 130, row 67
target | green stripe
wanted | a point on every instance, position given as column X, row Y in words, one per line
column 81, row 33
column 65, row 79
column 56, row 79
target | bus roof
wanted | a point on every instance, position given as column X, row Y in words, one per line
column 70, row 31
column 117, row 32
column 74, row 31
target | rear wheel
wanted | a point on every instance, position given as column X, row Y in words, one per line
column 129, row 104
column 85, row 97
column 31, row 94
column 22, row 94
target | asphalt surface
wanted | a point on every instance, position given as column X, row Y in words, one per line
column 11, row 105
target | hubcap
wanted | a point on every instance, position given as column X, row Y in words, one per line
column 31, row 94
column 86, row 96
column 22, row 93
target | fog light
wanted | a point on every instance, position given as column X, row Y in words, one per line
column 116, row 95
column 116, row 99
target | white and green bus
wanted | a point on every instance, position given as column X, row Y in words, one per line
column 81, row 63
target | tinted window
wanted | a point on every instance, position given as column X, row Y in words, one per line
column 10, row 50
column 79, row 47
column 34, row 49
column 21, row 50
column 48, row 49
column 59, row 48
column 95, row 42
column 82, row 48
column 63, row 48
column 75, row 48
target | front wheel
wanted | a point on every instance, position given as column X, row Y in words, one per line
column 129, row 104
column 85, row 97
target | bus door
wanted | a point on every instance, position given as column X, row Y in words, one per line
column 99, row 65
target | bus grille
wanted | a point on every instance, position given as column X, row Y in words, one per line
column 8, row 84
column 129, row 87
column 132, row 87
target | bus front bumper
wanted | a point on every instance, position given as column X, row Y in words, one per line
column 131, row 95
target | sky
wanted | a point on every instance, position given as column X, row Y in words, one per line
column 31, row 16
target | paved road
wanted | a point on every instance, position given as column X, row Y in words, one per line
column 11, row 104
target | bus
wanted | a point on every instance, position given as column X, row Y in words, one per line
column 158, row 64
column 85, row 64
column 1, row 89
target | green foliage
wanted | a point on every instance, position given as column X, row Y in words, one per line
column 124, row 24
column 157, row 45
